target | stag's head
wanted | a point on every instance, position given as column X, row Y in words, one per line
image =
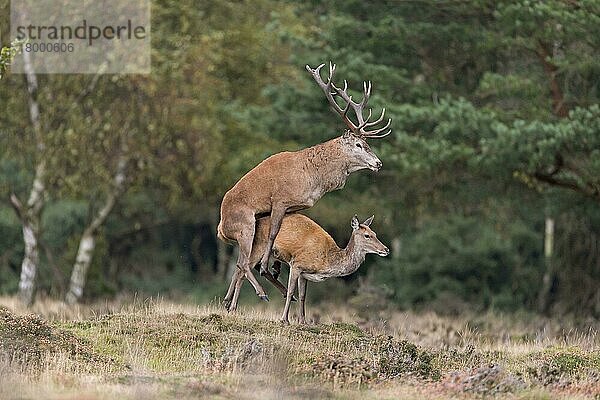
column 354, row 139
column 366, row 239
column 358, row 153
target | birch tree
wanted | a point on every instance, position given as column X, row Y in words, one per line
column 29, row 213
column 87, row 243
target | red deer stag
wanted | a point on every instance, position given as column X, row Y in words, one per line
column 291, row 181
column 311, row 253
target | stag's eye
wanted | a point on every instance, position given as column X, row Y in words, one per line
column 359, row 145
column 367, row 236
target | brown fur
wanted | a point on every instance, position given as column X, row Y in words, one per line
column 311, row 253
column 284, row 183
column 300, row 238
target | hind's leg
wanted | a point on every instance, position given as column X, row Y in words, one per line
column 302, row 297
column 294, row 275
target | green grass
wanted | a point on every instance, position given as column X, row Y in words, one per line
column 163, row 350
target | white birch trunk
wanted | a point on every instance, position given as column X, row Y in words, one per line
column 30, row 214
column 29, row 264
column 549, row 273
column 87, row 244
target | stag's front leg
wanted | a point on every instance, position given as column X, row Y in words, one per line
column 277, row 214
column 276, row 267
column 271, row 278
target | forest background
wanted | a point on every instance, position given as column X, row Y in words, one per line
column 488, row 197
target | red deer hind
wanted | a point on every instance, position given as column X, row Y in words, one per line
column 311, row 253
column 291, row 181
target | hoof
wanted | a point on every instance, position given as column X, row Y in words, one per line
column 264, row 298
column 226, row 304
column 284, row 321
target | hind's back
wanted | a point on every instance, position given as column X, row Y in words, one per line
column 299, row 236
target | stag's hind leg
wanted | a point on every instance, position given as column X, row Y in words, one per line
column 245, row 240
column 231, row 298
column 227, row 300
column 239, row 280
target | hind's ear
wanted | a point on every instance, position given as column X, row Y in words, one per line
column 355, row 224
column 369, row 220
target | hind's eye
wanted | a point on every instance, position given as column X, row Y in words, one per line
column 367, row 235
column 359, row 145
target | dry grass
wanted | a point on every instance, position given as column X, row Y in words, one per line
column 158, row 349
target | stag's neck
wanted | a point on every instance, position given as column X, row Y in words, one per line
column 347, row 260
column 329, row 165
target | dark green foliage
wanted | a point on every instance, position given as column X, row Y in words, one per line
column 465, row 260
column 496, row 121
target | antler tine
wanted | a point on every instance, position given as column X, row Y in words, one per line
column 379, row 136
column 357, row 107
column 366, row 120
column 347, row 108
column 329, row 94
column 374, row 134
column 326, row 87
column 366, row 93
column 331, row 91
column 378, row 120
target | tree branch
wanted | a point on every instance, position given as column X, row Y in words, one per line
column 17, row 205
column 559, row 108
column 118, row 187
column 552, row 180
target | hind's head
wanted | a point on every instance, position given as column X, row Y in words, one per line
column 366, row 239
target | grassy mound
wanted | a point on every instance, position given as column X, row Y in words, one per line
column 29, row 340
column 210, row 349
column 183, row 343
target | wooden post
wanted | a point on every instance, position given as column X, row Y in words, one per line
column 548, row 278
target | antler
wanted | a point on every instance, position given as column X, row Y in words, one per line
column 360, row 129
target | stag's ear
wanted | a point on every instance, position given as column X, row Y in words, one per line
column 369, row 220
column 355, row 224
column 346, row 134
